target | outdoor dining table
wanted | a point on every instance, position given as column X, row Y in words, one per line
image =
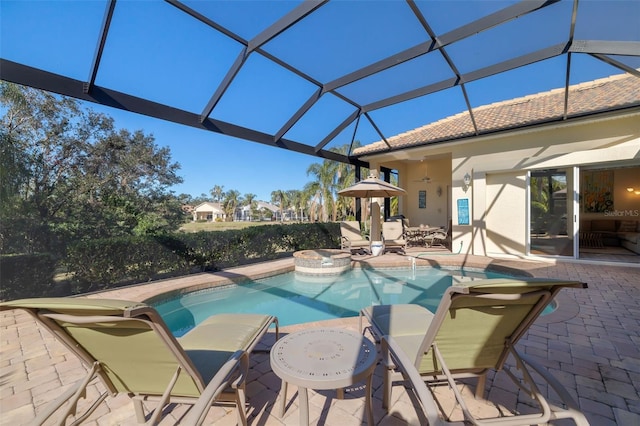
column 416, row 235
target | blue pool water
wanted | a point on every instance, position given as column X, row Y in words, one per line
column 296, row 298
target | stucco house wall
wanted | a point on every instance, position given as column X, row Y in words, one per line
column 500, row 165
column 588, row 127
column 498, row 195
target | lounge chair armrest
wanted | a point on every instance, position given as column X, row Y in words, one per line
column 71, row 397
column 573, row 410
column 238, row 361
column 429, row 406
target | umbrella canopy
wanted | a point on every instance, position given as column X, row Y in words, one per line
column 372, row 187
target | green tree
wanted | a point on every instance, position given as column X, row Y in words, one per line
column 202, row 198
column 217, row 193
column 230, row 203
column 250, row 201
column 330, row 177
column 131, row 174
column 297, row 201
column 312, row 197
column 79, row 177
column 279, row 198
column 345, row 177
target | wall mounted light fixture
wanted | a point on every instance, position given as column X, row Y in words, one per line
column 466, row 181
column 635, row 191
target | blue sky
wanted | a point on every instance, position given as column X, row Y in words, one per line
column 209, row 159
column 155, row 51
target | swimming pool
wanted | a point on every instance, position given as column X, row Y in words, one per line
column 296, row 298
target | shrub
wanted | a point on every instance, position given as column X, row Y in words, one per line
column 105, row 263
column 27, row 275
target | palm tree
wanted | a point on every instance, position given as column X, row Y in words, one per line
column 346, row 176
column 231, row 202
column 394, row 200
column 325, row 174
column 217, row 193
column 250, row 200
column 296, row 199
column 279, row 198
column 331, row 177
column 312, row 198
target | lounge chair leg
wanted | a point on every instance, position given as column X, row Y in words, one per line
column 241, row 402
column 387, row 381
column 482, row 380
column 386, row 392
column 139, row 409
column 368, row 404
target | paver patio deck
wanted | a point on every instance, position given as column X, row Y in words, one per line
column 591, row 343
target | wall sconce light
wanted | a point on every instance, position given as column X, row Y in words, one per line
column 466, row 180
column 635, row 191
column 630, row 189
column 439, row 191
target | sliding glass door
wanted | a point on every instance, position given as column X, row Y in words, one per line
column 551, row 213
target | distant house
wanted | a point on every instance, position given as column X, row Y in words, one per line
column 208, row 211
column 244, row 212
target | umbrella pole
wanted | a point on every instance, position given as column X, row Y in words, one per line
column 375, row 233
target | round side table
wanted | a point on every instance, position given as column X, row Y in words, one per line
column 323, row 358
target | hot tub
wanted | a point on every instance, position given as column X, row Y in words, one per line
column 322, row 261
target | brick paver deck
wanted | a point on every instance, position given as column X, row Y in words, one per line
column 591, row 344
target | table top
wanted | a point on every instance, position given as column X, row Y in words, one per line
column 424, row 229
column 323, row 358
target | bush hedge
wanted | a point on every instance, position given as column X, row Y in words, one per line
column 107, row 263
column 27, row 275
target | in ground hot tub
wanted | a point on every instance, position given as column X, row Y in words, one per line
column 322, row 261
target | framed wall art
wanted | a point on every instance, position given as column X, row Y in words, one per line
column 422, row 199
column 463, row 211
column 596, row 191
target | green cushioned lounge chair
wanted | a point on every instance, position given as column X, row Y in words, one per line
column 473, row 331
column 128, row 347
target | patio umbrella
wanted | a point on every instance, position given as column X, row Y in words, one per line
column 372, row 187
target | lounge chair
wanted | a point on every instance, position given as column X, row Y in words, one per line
column 393, row 236
column 440, row 238
column 473, row 331
column 128, row 347
column 351, row 237
column 437, row 238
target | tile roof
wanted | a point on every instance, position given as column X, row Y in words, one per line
column 611, row 93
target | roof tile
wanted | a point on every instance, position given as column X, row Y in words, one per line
column 615, row 92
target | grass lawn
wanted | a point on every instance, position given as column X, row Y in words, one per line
column 220, row 226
